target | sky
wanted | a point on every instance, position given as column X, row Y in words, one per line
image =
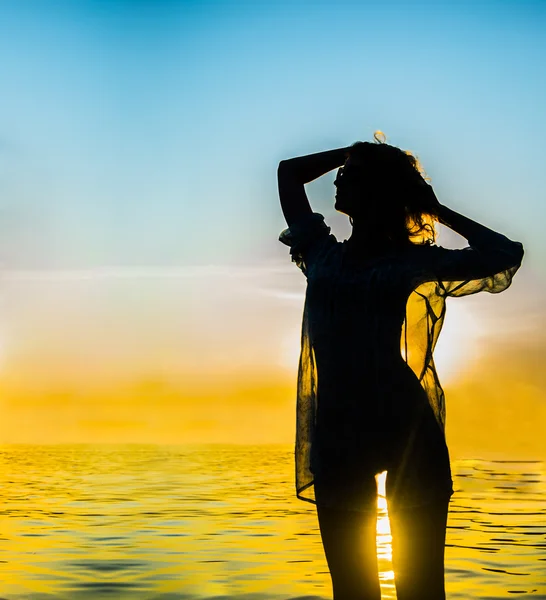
column 144, row 294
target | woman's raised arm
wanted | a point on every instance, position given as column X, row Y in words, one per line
column 489, row 262
column 294, row 173
column 508, row 252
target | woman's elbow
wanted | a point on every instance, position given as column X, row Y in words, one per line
column 512, row 256
column 508, row 255
column 284, row 166
column 518, row 252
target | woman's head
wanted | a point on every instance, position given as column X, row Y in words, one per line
column 381, row 186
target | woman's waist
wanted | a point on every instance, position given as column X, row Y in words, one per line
column 373, row 337
column 362, row 362
column 390, row 385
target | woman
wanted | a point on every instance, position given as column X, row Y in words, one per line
column 369, row 399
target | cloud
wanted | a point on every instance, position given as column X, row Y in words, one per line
column 145, row 272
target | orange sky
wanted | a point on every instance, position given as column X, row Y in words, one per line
column 210, row 354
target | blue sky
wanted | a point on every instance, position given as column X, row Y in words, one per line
column 148, row 133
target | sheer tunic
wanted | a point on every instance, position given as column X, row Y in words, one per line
column 370, row 325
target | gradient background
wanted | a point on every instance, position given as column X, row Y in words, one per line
column 144, row 294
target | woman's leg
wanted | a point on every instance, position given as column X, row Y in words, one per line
column 349, row 540
column 418, row 489
column 349, row 536
column 418, row 542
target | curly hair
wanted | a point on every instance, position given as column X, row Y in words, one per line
column 398, row 178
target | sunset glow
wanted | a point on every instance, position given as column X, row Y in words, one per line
column 145, row 295
column 151, row 318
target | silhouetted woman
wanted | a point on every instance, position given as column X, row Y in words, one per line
column 369, row 399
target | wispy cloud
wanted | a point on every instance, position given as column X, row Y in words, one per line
column 146, row 272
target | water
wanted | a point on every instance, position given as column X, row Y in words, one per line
column 189, row 522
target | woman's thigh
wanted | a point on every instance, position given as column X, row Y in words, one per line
column 346, row 487
column 349, row 541
column 418, row 543
column 419, row 469
column 418, row 490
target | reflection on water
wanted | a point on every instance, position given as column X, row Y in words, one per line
column 183, row 522
column 384, row 541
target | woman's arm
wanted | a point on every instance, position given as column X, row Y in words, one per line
column 478, row 235
column 490, row 252
column 293, row 173
column 487, row 264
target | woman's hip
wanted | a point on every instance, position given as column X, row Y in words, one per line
column 416, row 459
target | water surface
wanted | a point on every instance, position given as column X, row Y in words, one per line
column 192, row 522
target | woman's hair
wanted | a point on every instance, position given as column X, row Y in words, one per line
column 397, row 178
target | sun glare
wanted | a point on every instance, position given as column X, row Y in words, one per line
column 384, row 538
column 290, row 350
column 458, row 345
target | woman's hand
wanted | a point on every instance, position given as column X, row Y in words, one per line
column 431, row 203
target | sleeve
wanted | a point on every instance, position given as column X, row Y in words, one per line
column 308, row 238
column 488, row 264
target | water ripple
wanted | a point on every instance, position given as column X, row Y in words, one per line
column 219, row 522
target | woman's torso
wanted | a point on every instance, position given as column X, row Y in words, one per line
column 356, row 308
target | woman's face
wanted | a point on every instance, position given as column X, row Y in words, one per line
column 354, row 188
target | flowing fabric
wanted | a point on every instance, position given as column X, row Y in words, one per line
column 359, row 313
